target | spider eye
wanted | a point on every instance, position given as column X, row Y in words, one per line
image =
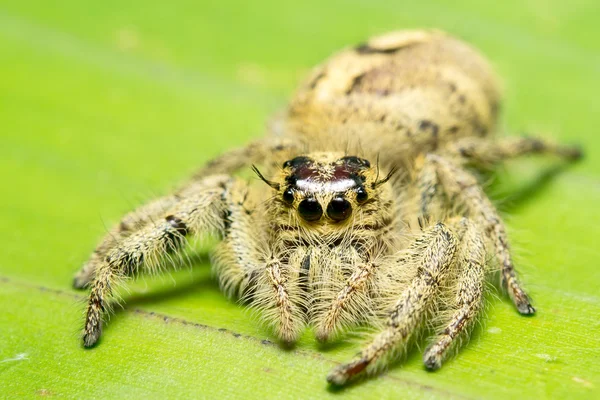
column 310, row 209
column 356, row 161
column 339, row 209
column 288, row 196
column 296, row 162
column 361, row 195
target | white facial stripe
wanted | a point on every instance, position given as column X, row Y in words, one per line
column 336, row 186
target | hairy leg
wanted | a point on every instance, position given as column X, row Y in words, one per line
column 348, row 304
column 438, row 247
column 270, row 148
column 428, row 193
column 131, row 223
column 136, row 220
column 467, row 299
column 484, row 152
column 279, row 294
column 461, row 186
column 200, row 211
column 238, row 258
column 369, row 276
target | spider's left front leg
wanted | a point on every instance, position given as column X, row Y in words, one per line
column 434, row 254
column 202, row 210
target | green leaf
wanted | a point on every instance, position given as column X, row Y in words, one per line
column 106, row 104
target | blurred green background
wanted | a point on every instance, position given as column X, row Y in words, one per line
column 106, row 104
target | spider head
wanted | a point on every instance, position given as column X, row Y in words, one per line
column 327, row 187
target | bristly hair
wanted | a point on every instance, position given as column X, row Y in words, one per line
column 378, row 182
column 274, row 185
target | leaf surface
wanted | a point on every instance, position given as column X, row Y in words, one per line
column 106, row 104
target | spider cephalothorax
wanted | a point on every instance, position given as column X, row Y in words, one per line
column 337, row 240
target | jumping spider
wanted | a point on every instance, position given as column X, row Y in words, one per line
column 371, row 214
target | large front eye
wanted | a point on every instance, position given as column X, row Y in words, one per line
column 339, row 209
column 310, row 209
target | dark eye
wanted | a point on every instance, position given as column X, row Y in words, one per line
column 356, row 161
column 339, row 209
column 361, row 195
column 288, row 196
column 296, row 162
column 310, row 209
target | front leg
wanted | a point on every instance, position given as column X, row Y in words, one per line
column 280, row 292
column 199, row 211
column 466, row 301
column 437, row 248
column 337, row 307
column 349, row 304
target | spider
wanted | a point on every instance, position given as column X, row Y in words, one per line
column 367, row 210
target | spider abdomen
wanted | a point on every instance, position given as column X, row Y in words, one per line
column 406, row 91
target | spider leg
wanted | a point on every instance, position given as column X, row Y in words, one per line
column 438, row 246
column 427, row 186
column 467, row 300
column 256, row 152
column 238, row 258
column 279, row 293
column 348, row 303
column 485, row 153
column 340, row 306
column 270, row 148
column 200, row 211
column 462, row 186
column 130, row 223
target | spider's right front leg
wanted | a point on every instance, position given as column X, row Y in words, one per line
column 200, row 209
